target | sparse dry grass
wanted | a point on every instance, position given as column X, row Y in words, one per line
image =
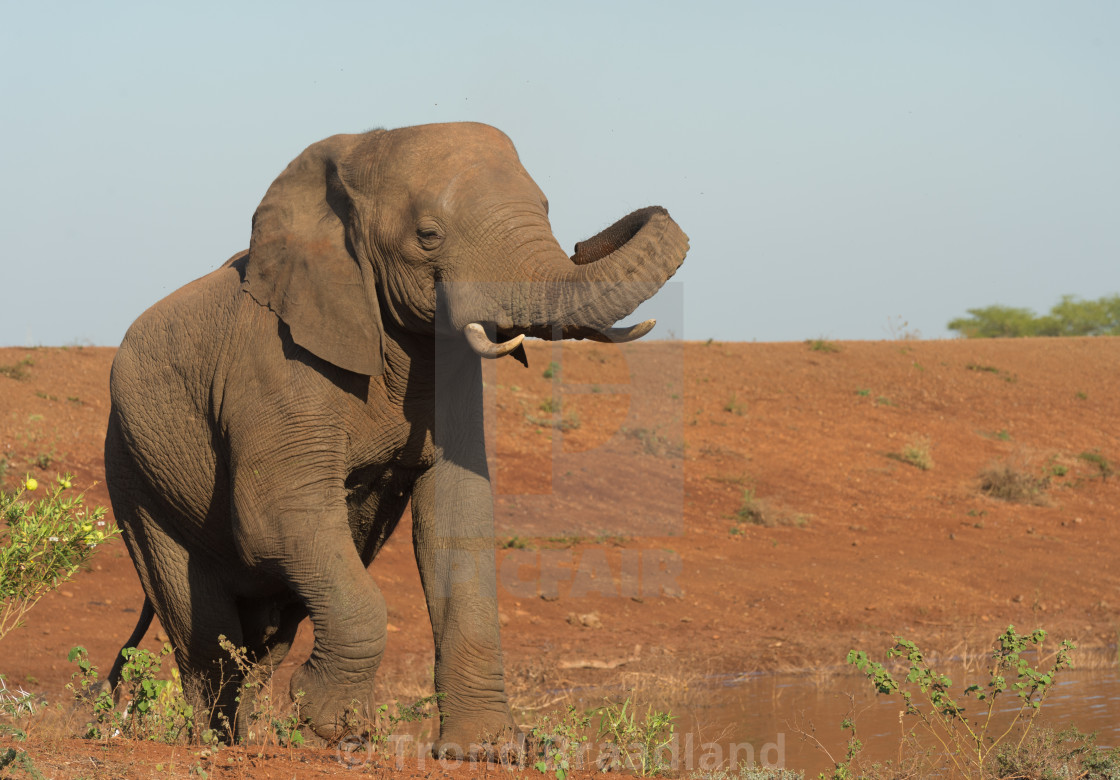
column 917, row 453
column 758, row 511
column 1009, row 482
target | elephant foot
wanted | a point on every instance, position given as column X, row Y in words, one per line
column 332, row 710
column 488, row 736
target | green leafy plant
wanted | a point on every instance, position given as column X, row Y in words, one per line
column 552, row 370
column 970, row 741
column 156, row 709
column 45, row 544
column 556, row 742
column 287, row 728
column 86, row 687
column 639, row 745
column 387, row 720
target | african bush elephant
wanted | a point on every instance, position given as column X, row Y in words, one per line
column 271, row 421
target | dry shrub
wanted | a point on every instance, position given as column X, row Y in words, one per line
column 1008, row 482
column 759, row 511
column 1051, row 754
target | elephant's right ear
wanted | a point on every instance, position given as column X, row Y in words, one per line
column 303, row 265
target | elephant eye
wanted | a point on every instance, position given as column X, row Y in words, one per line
column 429, row 236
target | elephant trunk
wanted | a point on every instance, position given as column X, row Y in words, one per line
column 581, row 297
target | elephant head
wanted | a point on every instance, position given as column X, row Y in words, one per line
column 439, row 229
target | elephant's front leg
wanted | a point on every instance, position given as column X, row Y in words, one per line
column 296, row 531
column 453, row 535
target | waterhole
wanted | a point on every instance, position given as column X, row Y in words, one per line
column 773, row 718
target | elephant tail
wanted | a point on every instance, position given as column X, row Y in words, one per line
column 147, row 612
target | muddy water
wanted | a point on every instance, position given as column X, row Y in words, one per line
column 762, row 715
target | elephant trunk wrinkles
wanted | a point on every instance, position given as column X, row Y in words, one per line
column 581, row 297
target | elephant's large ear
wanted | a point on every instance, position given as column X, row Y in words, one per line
column 303, row 265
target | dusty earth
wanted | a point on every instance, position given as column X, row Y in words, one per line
column 628, row 483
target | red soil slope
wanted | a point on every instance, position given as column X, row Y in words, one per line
column 623, row 530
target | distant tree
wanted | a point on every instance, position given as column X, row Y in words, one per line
column 1070, row 317
column 1088, row 318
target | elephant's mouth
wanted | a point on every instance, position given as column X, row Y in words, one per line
column 577, row 297
column 478, row 337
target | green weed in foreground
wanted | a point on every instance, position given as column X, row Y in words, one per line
column 557, row 742
column 47, row 541
column 157, row 709
column 637, row 745
column 947, row 734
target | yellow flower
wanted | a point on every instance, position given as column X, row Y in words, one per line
column 31, row 483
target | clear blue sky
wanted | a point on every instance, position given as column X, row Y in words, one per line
column 835, row 164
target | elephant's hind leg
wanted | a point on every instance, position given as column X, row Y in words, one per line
column 192, row 602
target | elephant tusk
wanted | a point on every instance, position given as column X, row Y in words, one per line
column 622, row 335
column 481, row 343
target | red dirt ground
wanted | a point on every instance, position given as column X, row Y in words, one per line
column 621, row 545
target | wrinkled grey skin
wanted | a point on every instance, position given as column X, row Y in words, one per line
column 271, row 421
